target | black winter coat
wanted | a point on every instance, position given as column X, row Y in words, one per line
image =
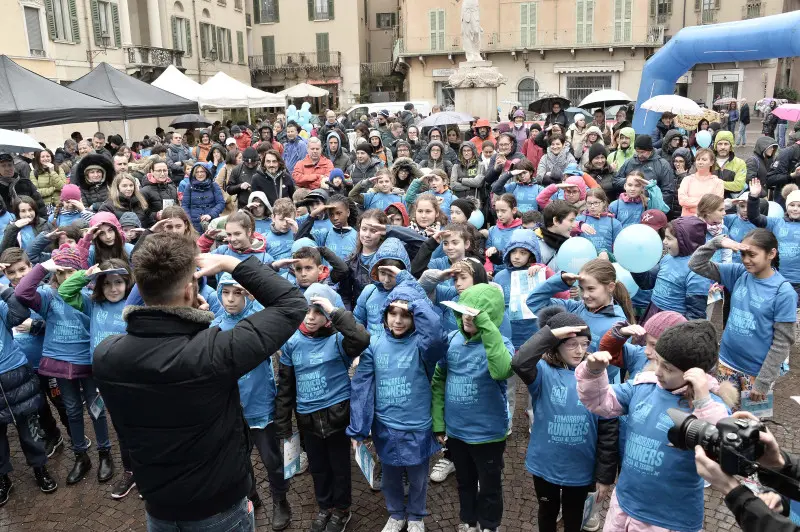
column 20, row 389
column 525, row 364
column 281, row 186
column 156, row 193
column 326, row 421
column 146, row 216
column 241, row 174
column 22, row 186
column 171, row 387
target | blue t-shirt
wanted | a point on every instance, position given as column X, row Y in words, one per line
column 675, row 282
column 320, row 370
column 279, row 245
column 65, row 218
column 447, row 200
column 521, row 330
column 318, row 229
column 756, row 305
column 475, row 408
column 402, row 386
column 563, row 441
column 25, row 236
column 498, row 238
column 9, row 217
column 607, row 228
column 263, row 226
column 652, row 470
column 379, row 200
column 737, row 229
column 31, row 345
column 526, row 195
column 106, row 319
column 627, row 212
column 788, row 235
column 11, row 356
column 66, row 336
column 343, row 243
column 369, row 308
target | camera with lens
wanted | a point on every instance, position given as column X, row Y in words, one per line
column 733, row 443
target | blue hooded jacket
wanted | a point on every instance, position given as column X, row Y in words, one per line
column 390, row 393
column 526, row 239
column 202, row 197
column 370, row 304
column 257, row 387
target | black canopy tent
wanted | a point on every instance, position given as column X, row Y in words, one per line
column 30, row 100
column 136, row 98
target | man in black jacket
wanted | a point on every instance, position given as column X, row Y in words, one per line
column 241, row 178
column 13, row 185
column 171, row 386
column 273, row 180
column 785, row 167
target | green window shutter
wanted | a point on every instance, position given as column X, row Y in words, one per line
column 579, row 23
column 115, row 21
column 256, row 12
column 441, row 29
column 628, row 19
column 51, row 19
column 188, row 52
column 73, row 17
column 330, row 9
column 203, row 43
column 524, row 28
column 310, row 9
column 175, row 37
column 717, row 4
column 697, row 5
column 669, row 7
column 653, row 8
column 214, row 40
column 589, row 20
column 432, row 25
column 230, row 45
column 323, row 51
column 98, row 34
column 240, row 46
column 532, row 22
column 268, row 50
column 276, row 8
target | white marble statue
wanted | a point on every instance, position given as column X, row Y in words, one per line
column 471, row 30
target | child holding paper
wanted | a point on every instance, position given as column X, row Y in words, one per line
column 391, row 398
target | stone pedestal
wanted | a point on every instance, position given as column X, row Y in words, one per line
column 475, row 86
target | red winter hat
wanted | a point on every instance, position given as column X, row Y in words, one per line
column 70, row 192
column 70, row 256
column 660, row 322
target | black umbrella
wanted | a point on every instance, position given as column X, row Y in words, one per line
column 190, row 121
column 545, row 103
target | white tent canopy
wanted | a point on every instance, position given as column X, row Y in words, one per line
column 174, row 81
column 225, row 92
column 303, row 90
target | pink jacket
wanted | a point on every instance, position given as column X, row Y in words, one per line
column 694, row 187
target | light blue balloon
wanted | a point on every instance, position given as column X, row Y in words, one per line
column 775, row 210
column 574, row 253
column 476, row 219
column 703, row 138
column 638, row 248
column 625, row 277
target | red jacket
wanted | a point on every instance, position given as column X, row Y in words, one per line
column 309, row 175
column 532, row 152
column 243, row 142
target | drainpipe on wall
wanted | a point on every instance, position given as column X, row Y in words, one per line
column 196, row 26
column 87, row 18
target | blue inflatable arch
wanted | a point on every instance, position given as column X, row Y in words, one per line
column 747, row 40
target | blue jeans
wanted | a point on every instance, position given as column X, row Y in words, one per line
column 742, row 134
column 392, row 487
column 781, row 135
column 75, row 392
column 240, row 517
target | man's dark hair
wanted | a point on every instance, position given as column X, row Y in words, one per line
column 158, row 150
column 292, row 123
column 409, row 106
column 557, row 210
column 14, row 255
column 100, row 135
column 162, row 265
column 532, row 217
column 73, row 231
column 308, row 253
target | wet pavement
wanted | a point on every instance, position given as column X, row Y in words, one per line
column 88, row 506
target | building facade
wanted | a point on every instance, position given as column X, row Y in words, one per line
column 64, row 39
column 329, row 43
column 573, row 47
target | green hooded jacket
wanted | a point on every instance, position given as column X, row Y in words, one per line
column 619, row 156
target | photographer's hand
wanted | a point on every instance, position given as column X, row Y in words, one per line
column 772, row 457
column 713, row 473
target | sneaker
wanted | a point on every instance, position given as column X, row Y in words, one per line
column 321, row 521
column 464, row 527
column 51, row 446
column 593, row 524
column 303, row 465
column 123, row 486
column 338, row 521
column 394, row 525
column 443, row 469
column 416, row 526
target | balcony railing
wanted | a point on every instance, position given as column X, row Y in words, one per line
column 148, row 56
column 753, row 10
column 662, row 18
column 600, row 37
column 296, row 61
column 707, row 16
column 655, row 35
column 377, row 69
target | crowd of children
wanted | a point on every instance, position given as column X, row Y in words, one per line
column 434, row 289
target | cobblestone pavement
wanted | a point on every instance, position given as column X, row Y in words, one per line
column 88, row 506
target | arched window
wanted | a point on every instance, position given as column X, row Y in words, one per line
column 206, row 14
column 527, row 92
column 177, row 7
